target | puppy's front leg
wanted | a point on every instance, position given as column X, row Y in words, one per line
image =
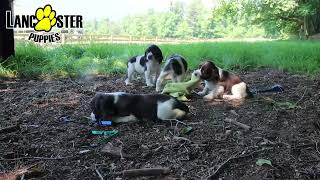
column 161, row 77
column 217, row 92
column 130, row 74
column 204, row 91
column 148, row 78
column 157, row 75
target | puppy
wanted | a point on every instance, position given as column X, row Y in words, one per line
column 124, row 107
column 221, row 84
column 147, row 64
column 175, row 68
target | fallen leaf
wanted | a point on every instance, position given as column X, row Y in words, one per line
column 261, row 162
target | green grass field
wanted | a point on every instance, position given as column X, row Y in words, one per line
column 79, row 60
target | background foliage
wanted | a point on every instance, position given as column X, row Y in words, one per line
column 228, row 18
column 82, row 60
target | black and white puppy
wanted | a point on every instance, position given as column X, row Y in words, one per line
column 174, row 68
column 125, row 107
column 148, row 64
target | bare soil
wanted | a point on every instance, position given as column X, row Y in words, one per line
column 285, row 129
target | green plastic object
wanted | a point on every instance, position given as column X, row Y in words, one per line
column 105, row 133
column 181, row 89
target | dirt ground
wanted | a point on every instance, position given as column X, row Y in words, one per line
column 285, row 129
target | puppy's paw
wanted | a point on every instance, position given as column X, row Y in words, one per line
column 207, row 98
column 158, row 89
column 146, row 87
column 150, row 85
column 128, row 83
column 201, row 93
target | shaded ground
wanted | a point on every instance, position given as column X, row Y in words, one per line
column 285, row 130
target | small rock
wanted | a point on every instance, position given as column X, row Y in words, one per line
column 144, row 146
column 113, row 150
column 234, row 112
column 228, row 132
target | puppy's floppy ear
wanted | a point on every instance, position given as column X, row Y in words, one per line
column 156, row 51
column 206, row 62
column 107, row 105
column 209, row 71
column 200, row 65
column 146, row 52
column 159, row 56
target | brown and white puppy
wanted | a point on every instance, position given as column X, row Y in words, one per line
column 124, row 107
column 220, row 83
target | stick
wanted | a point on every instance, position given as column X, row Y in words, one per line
column 175, row 121
column 301, row 97
column 41, row 158
column 231, row 158
column 145, row 172
column 99, row 174
column 177, row 138
column 215, row 173
column 232, row 121
column 10, row 129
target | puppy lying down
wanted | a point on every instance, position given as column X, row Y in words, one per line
column 124, row 107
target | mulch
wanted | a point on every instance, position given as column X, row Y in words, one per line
column 285, row 129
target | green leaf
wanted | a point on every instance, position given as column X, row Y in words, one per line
column 186, row 130
column 261, row 162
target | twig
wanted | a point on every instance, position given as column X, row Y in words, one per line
column 181, row 138
column 317, row 148
column 87, row 118
column 222, row 165
column 232, row 121
column 121, row 147
column 175, row 121
column 305, row 90
column 144, row 172
column 22, row 177
column 10, row 129
column 99, row 174
column 231, row 158
column 41, row 158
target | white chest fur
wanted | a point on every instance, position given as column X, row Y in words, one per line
column 152, row 66
column 210, row 85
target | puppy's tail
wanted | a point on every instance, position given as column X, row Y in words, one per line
column 276, row 88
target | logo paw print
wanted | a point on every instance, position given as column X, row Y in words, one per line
column 46, row 18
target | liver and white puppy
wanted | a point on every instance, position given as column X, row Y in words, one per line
column 175, row 68
column 147, row 64
column 221, row 84
column 125, row 107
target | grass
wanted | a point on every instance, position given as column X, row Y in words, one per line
column 79, row 60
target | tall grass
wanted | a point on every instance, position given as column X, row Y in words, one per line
column 80, row 60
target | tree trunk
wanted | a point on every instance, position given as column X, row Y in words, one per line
column 6, row 35
column 306, row 27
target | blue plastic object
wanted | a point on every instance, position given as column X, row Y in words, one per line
column 105, row 123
